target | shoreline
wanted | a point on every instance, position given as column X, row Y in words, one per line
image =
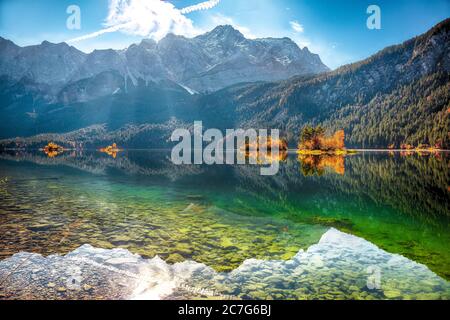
column 288, row 150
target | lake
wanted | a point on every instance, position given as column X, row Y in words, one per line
column 86, row 225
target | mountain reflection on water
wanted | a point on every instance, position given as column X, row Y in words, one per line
column 339, row 266
column 225, row 217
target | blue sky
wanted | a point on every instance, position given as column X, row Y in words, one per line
column 335, row 29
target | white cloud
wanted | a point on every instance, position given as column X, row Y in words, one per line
column 149, row 18
column 296, row 26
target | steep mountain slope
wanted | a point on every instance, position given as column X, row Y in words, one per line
column 47, row 63
column 244, row 60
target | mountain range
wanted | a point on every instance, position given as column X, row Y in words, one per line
column 208, row 62
column 399, row 95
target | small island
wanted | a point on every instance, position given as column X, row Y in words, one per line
column 52, row 149
column 315, row 141
column 111, row 150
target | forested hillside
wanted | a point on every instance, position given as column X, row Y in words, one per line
column 399, row 95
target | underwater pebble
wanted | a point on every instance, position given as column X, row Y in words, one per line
column 391, row 294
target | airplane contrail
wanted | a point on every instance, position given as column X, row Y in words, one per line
column 98, row 33
column 200, row 6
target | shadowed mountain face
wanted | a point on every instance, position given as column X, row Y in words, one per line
column 399, row 95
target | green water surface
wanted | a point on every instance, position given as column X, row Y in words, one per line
column 222, row 216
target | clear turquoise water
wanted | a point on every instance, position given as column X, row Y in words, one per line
column 306, row 233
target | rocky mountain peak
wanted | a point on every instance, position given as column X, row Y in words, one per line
column 225, row 31
column 7, row 44
column 224, row 34
column 305, row 49
column 61, row 46
column 148, row 43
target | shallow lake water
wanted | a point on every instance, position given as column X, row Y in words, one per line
column 374, row 225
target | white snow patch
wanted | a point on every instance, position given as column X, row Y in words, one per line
column 191, row 91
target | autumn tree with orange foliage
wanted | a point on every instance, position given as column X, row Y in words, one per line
column 315, row 139
column 335, row 142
